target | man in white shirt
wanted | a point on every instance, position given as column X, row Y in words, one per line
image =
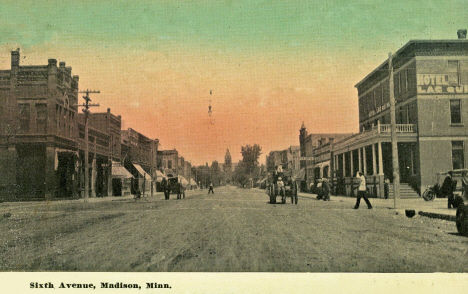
column 362, row 193
column 280, row 186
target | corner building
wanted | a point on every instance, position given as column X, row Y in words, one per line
column 431, row 93
column 38, row 153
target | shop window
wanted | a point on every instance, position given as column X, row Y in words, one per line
column 24, row 117
column 41, row 118
column 455, row 111
column 458, row 160
column 325, row 171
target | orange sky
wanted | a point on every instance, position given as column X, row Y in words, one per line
column 270, row 64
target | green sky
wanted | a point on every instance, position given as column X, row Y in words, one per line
column 260, row 58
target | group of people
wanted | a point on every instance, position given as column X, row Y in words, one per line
column 449, row 185
column 280, row 180
column 167, row 188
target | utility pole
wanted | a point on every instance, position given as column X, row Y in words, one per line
column 152, row 176
column 86, row 106
column 396, row 168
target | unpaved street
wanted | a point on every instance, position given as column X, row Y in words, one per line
column 234, row 230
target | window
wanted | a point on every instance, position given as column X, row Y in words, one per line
column 169, row 164
column 41, row 118
column 453, row 68
column 24, row 116
column 458, row 159
column 455, row 111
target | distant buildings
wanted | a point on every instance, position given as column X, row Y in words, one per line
column 42, row 141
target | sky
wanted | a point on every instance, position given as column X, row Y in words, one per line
column 269, row 65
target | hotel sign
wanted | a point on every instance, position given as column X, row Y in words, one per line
column 439, row 84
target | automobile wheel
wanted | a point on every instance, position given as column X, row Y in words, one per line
column 428, row 195
column 462, row 220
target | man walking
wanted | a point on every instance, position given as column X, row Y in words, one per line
column 362, row 193
column 211, row 189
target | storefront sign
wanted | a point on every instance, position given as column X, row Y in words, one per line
column 307, row 158
column 439, row 83
column 379, row 109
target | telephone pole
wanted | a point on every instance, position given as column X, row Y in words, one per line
column 86, row 106
column 396, row 168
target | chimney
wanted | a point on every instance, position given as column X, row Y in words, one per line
column 52, row 62
column 461, row 34
column 15, row 58
column 62, row 64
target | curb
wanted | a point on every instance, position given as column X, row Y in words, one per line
column 446, row 217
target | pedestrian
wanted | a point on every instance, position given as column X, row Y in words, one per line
column 326, row 190
column 447, row 189
column 386, row 187
column 210, row 189
column 362, row 191
column 280, row 186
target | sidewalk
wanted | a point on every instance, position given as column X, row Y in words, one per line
column 434, row 209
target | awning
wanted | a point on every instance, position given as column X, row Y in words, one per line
column 118, row 171
column 183, row 181
column 300, row 175
column 140, row 170
column 160, row 176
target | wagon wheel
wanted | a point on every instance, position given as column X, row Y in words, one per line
column 429, row 195
column 271, row 193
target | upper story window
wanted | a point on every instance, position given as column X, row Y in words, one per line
column 453, row 67
column 41, row 118
column 24, row 117
column 455, row 111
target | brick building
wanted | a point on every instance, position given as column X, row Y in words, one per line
column 38, row 152
column 431, row 93
column 139, row 155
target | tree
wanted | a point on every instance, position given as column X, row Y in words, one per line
column 250, row 155
column 227, row 166
column 215, row 172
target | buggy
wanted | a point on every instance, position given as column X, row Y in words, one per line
column 289, row 189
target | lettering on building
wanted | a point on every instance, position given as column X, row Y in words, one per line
column 439, row 83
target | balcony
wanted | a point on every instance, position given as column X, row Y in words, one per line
column 380, row 132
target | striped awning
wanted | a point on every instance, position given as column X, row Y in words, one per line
column 118, row 171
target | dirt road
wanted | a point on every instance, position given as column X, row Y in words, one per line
column 234, row 230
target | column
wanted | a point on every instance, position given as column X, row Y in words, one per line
column 359, row 159
column 379, row 146
column 364, row 160
column 351, row 162
column 50, row 178
column 344, row 165
column 374, row 161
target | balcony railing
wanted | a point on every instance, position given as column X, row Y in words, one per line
column 400, row 128
column 378, row 129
